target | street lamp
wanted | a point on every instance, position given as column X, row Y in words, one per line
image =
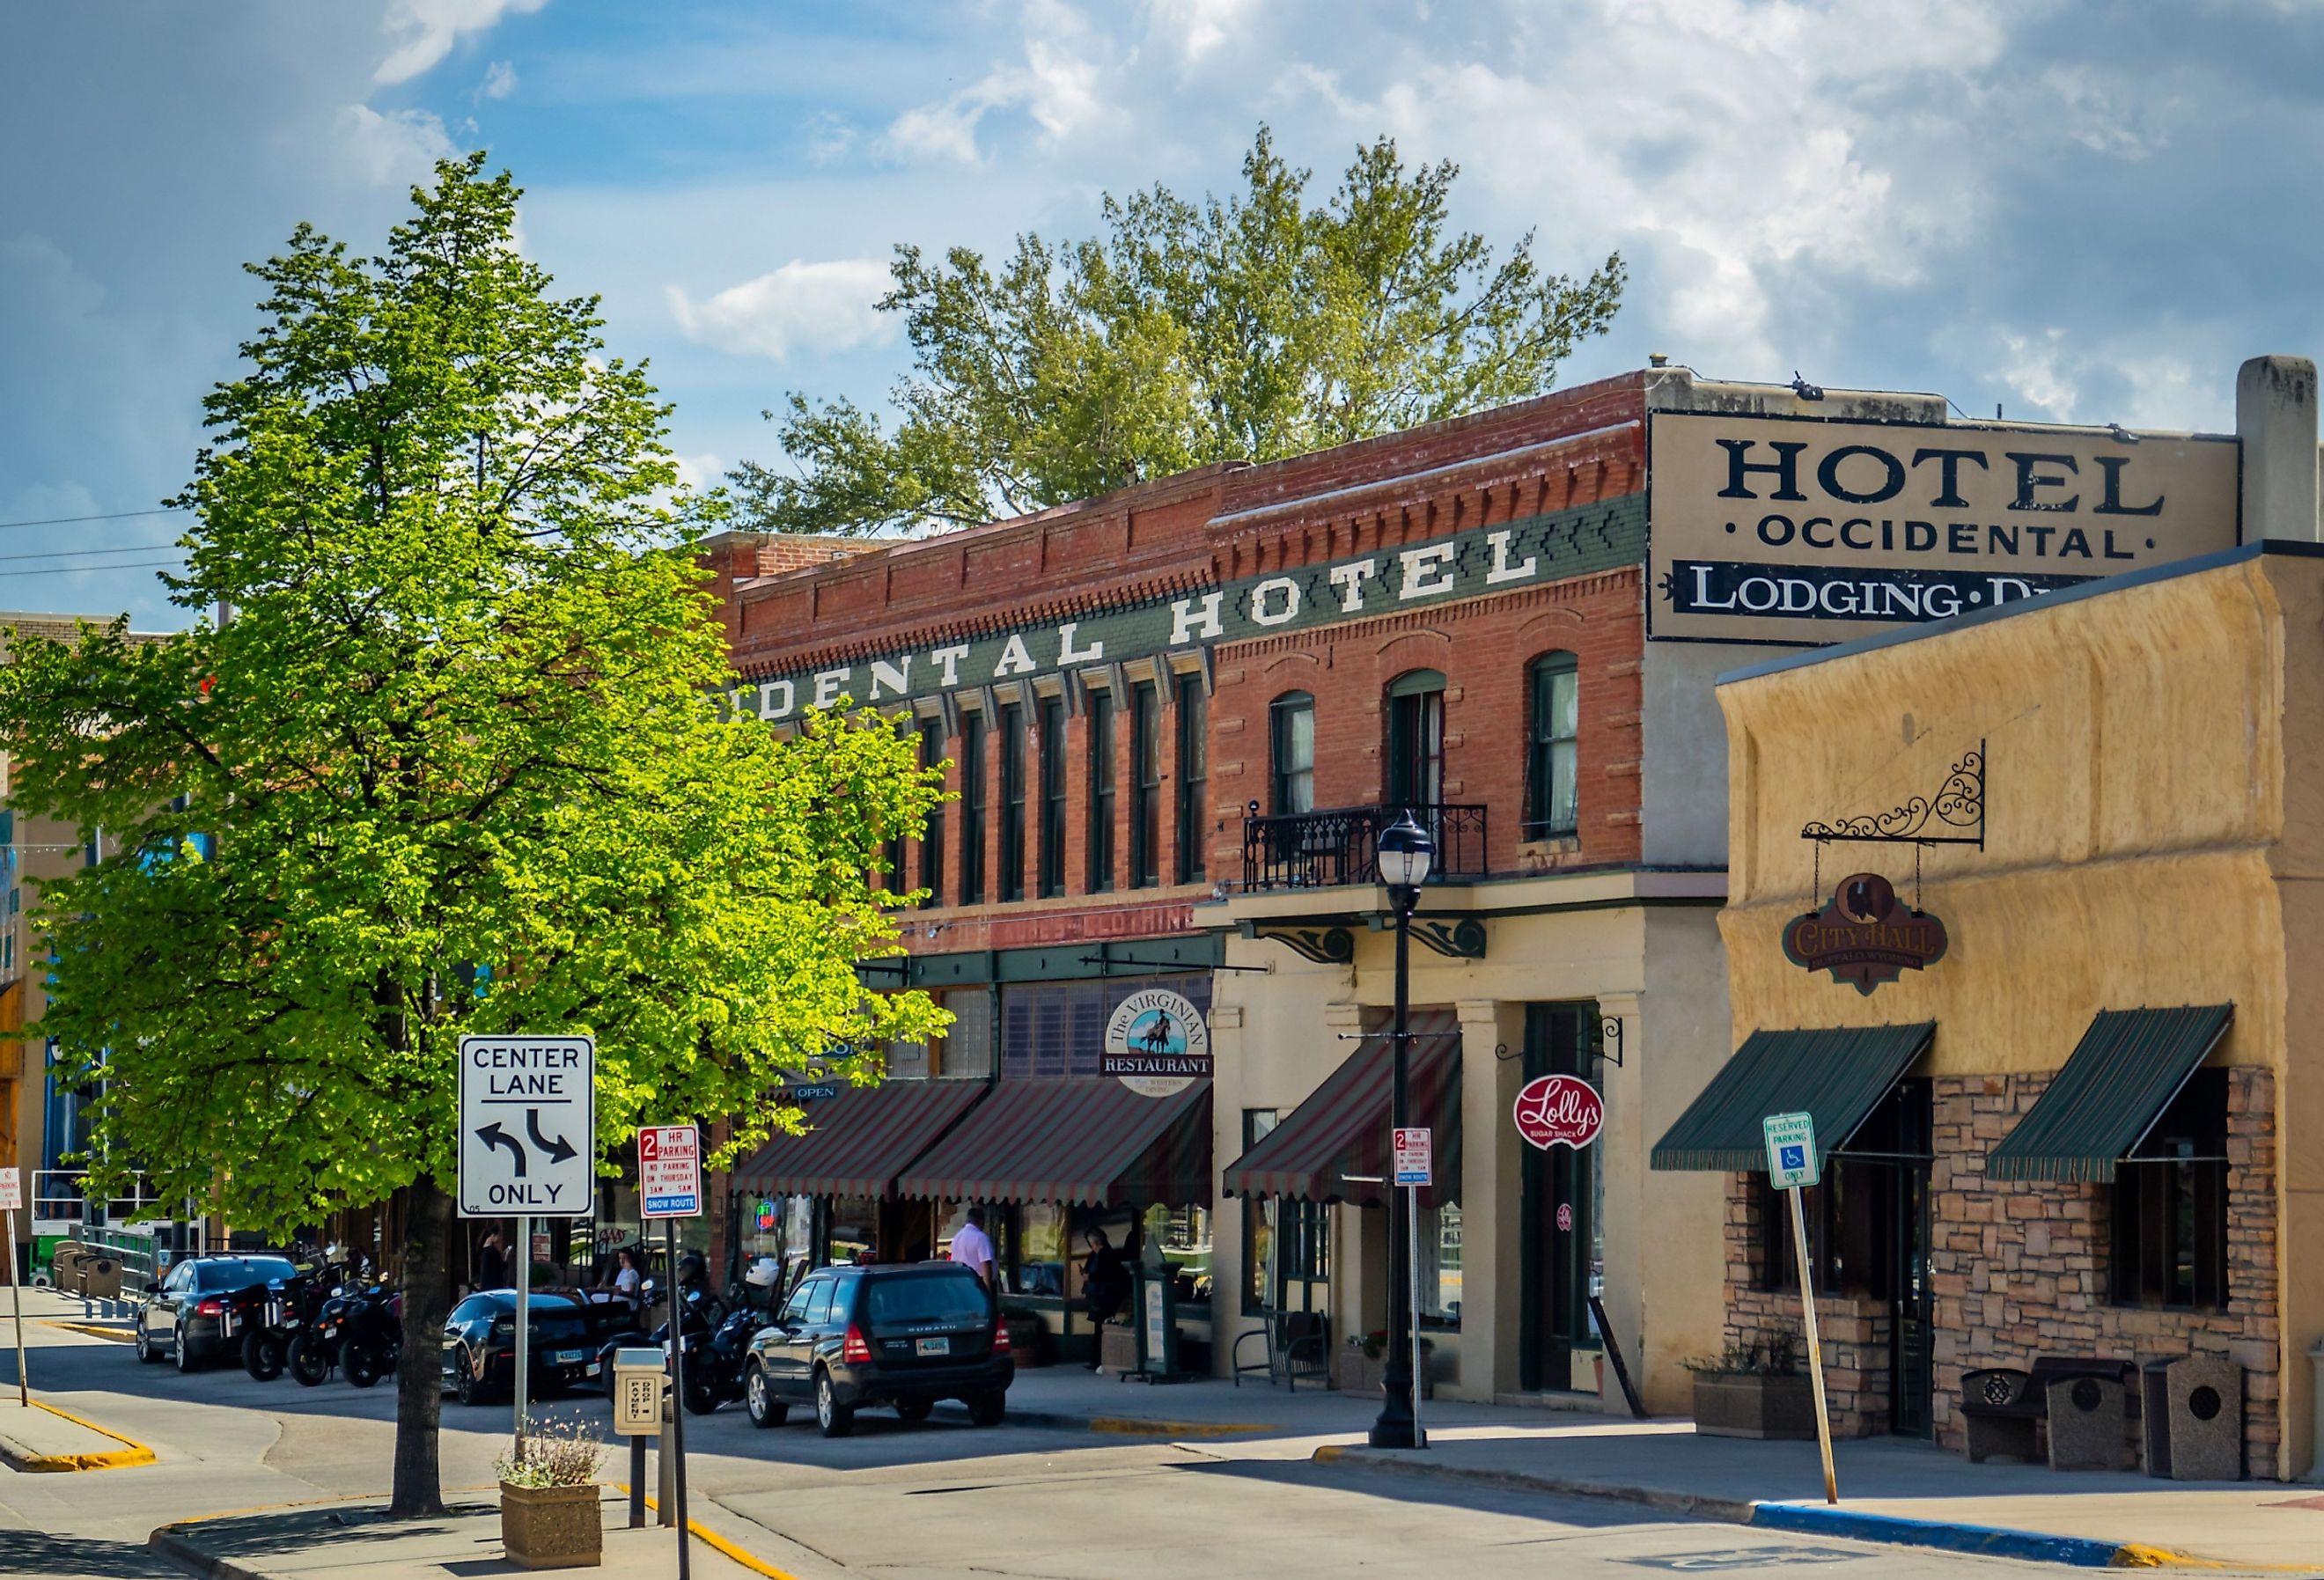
column 1406, row 854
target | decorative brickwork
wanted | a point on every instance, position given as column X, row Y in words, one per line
column 2019, row 1271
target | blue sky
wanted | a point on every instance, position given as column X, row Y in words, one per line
column 2078, row 211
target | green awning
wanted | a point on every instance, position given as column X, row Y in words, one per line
column 2129, row 1066
column 1839, row 1073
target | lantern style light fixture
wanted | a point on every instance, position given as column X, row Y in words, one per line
column 1407, row 854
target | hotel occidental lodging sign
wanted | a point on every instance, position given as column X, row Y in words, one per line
column 1801, row 530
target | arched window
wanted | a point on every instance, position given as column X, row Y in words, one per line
column 1416, row 739
column 1552, row 765
column 1291, row 753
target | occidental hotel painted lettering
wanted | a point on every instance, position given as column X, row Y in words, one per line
column 1391, row 578
column 1801, row 530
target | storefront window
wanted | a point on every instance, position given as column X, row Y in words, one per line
column 1035, row 1253
column 851, row 1230
column 1184, row 1234
column 1440, row 1265
column 2169, row 1220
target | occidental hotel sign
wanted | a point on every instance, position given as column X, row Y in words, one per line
column 1799, row 530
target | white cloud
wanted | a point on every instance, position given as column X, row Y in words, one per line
column 700, row 471
column 500, row 79
column 812, row 307
column 1193, row 29
column 398, row 148
column 2036, row 367
column 426, row 30
column 1057, row 83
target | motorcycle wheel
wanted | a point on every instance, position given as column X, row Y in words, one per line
column 261, row 1354
column 360, row 1364
column 702, row 1395
column 308, row 1361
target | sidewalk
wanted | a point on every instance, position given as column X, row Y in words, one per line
column 43, row 1437
column 1074, row 1399
column 334, row 1540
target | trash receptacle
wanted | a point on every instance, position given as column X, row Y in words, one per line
column 2194, row 1425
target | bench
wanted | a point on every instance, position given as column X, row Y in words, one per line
column 2084, row 1399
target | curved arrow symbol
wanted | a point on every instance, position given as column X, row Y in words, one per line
column 491, row 1135
column 559, row 1149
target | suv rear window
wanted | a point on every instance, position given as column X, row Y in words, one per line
column 955, row 1299
column 242, row 1272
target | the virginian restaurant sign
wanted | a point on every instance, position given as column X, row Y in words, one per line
column 1392, row 577
column 1801, row 530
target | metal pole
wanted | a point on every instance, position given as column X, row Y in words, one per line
column 1419, row 1374
column 1394, row 1426
column 677, row 1392
column 1815, row 1350
column 524, row 1326
column 638, row 1480
column 16, row 1300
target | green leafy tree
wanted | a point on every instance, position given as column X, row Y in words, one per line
column 1250, row 327
column 451, row 768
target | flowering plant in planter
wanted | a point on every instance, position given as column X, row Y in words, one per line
column 1374, row 1343
column 548, row 1499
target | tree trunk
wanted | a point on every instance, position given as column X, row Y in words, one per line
column 426, row 1224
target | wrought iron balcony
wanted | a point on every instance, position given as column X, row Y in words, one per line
column 1319, row 850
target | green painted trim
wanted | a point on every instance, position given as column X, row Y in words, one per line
column 1174, row 954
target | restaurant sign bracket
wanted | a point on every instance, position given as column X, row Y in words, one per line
column 1330, row 940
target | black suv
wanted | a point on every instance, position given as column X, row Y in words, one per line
column 906, row 1336
column 191, row 1315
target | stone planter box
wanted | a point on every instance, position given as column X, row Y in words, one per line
column 1117, row 1348
column 1028, row 1342
column 1360, row 1374
column 1733, row 1405
column 552, row 1527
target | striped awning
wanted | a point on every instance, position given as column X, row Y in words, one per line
column 859, row 1141
column 1084, row 1141
column 1839, row 1074
column 2129, row 1067
column 1334, row 1146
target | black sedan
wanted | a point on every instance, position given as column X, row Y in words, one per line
column 191, row 1316
column 479, row 1355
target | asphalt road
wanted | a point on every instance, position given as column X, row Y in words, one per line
column 896, row 1501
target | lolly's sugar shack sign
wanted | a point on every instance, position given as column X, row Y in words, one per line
column 1800, row 531
column 1866, row 935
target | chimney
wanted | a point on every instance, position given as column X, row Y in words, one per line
column 2275, row 418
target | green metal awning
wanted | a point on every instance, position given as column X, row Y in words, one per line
column 2129, row 1066
column 1839, row 1073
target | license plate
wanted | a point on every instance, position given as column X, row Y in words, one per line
column 933, row 1346
column 591, row 1370
column 571, row 1357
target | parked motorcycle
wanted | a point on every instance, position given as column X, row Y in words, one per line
column 371, row 1339
column 715, row 1357
column 284, row 1312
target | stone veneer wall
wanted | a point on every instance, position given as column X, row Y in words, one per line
column 2019, row 1271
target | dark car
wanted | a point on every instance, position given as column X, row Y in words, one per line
column 906, row 1336
column 480, row 1345
column 189, row 1315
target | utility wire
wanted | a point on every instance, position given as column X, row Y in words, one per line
column 84, row 553
column 96, row 570
column 118, row 515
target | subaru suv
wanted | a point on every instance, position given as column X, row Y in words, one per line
column 905, row 1336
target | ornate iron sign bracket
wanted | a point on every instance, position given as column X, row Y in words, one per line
column 1458, row 940
column 1325, row 946
column 1955, row 815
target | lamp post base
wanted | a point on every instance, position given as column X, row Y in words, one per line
column 1388, row 1434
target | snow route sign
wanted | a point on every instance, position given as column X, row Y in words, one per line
column 528, row 1126
column 670, row 1171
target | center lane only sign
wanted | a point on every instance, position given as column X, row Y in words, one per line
column 528, row 1125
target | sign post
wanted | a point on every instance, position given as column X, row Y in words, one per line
column 1793, row 1165
column 1415, row 1166
column 669, row 1187
column 12, row 1201
column 528, row 1143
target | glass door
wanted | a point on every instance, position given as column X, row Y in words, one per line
column 1562, row 1251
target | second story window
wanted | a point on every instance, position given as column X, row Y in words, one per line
column 1053, row 797
column 932, row 838
column 971, row 808
column 1145, row 787
column 1103, row 712
column 1194, row 772
column 1416, row 739
column 1553, row 716
column 1291, row 753
column 1012, row 802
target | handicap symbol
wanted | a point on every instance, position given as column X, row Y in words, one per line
column 1794, row 1157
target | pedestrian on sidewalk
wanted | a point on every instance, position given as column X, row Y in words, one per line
column 973, row 1247
column 492, row 1263
column 1105, row 1281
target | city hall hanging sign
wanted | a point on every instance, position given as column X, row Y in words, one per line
column 1866, row 936
column 1156, row 1043
column 1800, row 531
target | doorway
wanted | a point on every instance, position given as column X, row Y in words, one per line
column 1562, row 1248
column 1875, row 1231
column 1416, row 741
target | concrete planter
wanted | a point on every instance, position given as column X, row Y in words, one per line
column 1117, row 1348
column 552, row 1527
column 1028, row 1342
column 1737, row 1405
column 1363, row 1374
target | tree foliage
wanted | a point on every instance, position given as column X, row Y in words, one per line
column 1254, row 327
column 450, row 768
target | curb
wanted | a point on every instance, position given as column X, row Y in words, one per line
column 1815, row 1519
column 120, row 1335
column 1118, row 1426
column 132, row 1452
column 167, row 1543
